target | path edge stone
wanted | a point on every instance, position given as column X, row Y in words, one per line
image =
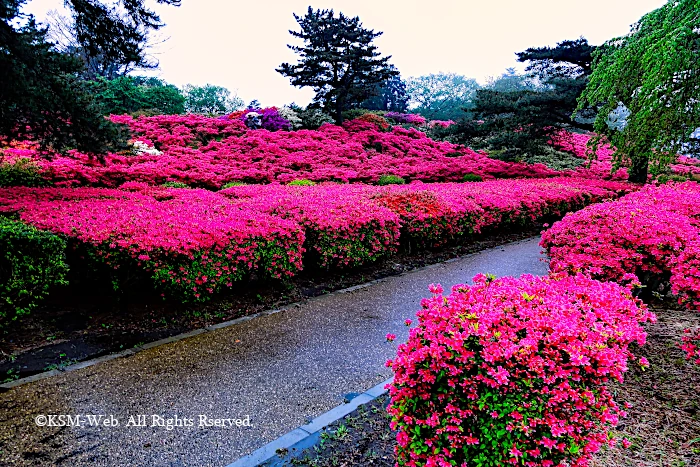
column 300, row 434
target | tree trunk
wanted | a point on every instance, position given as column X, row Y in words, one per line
column 639, row 170
column 338, row 111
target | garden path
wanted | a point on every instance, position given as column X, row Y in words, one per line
column 281, row 369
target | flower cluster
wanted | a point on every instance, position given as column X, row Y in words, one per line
column 650, row 236
column 691, row 345
column 411, row 119
column 268, row 119
column 440, row 123
column 513, row 372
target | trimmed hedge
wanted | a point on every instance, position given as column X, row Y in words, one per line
column 31, row 262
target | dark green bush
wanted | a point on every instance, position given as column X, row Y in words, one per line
column 175, row 185
column 301, row 182
column 473, row 178
column 31, row 261
column 352, row 114
column 391, row 180
column 665, row 178
column 22, row 172
column 232, row 184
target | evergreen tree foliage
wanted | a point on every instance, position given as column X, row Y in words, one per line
column 654, row 72
column 516, row 115
column 391, row 95
column 442, row 96
column 337, row 59
column 41, row 94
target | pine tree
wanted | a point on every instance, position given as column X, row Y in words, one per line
column 41, row 94
column 337, row 59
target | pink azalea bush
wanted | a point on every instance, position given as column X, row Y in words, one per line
column 438, row 213
column 513, row 372
column 440, row 123
column 192, row 243
column 211, row 152
column 343, row 226
column 650, row 236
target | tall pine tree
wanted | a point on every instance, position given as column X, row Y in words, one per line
column 338, row 59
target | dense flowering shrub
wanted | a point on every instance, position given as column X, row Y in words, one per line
column 644, row 233
column 210, row 152
column 269, row 119
column 650, row 236
column 411, row 119
column 374, row 119
column 192, row 243
column 440, row 123
column 343, row 226
column 31, row 262
column 513, row 372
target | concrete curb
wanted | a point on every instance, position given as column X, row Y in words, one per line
column 310, row 431
column 129, row 352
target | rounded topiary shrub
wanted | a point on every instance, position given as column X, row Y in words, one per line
column 175, row 185
column 21, row 172
column 472, row 178
column 31, row 261
column 232, row 184
column 513, row 372
column 390, row 180
column 301, row 182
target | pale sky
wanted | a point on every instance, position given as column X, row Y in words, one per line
column 239, row 43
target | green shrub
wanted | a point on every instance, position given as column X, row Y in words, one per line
column 312, row 119
column 232, row 184
column 175, row 185
column 22, row 172
column 665, row 178
column 352, row 114
column 391, row 180
column 555, row 160
column 473, row 178
column 301, row 182
column 31, row 261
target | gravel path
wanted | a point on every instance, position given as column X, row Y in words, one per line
column 279, row 370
